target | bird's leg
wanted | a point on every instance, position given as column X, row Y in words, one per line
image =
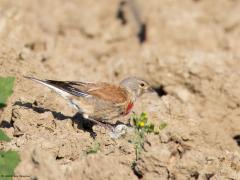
column 105, row 125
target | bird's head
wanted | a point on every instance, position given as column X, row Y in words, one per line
column 136, row 86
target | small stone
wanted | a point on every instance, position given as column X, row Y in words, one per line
column 119, row 131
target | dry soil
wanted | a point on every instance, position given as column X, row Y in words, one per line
column 191, row 55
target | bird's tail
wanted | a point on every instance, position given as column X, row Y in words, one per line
column 61, row 92
column 53, row 85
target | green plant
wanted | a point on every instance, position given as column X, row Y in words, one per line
column 162, row 125
column 3, row 136
column 8, row 159
column 6, row 89
column 8, row 162
column 93, row 149
column 142, row 128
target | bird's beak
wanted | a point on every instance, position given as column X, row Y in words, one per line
column 150, row 89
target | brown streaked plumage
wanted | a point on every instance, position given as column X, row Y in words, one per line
column 100, row 102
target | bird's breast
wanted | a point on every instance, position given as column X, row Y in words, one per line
column 129, row 108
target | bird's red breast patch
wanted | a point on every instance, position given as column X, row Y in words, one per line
column 129, row 108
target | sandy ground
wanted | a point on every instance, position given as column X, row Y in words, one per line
column 191, row 54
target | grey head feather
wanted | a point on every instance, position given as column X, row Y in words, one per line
column 136, row 86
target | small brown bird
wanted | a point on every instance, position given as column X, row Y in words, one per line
column 100, row 102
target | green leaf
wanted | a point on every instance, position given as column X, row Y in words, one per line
column 162, row 126
column 149, row 128
column 134, row 119
column 94, row 149
column 6, row 89
column 143, row 117
column 8, row 162
column 3, row 136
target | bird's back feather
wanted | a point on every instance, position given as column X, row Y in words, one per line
column 103, row 91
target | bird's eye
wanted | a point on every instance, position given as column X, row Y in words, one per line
column 142, row 84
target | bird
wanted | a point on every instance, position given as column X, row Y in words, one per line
column 100, row 102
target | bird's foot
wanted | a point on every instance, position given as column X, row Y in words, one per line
column 114, row 131
column 106, row 126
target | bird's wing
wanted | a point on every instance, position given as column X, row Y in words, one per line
column 108, row 92
column 103, row 91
